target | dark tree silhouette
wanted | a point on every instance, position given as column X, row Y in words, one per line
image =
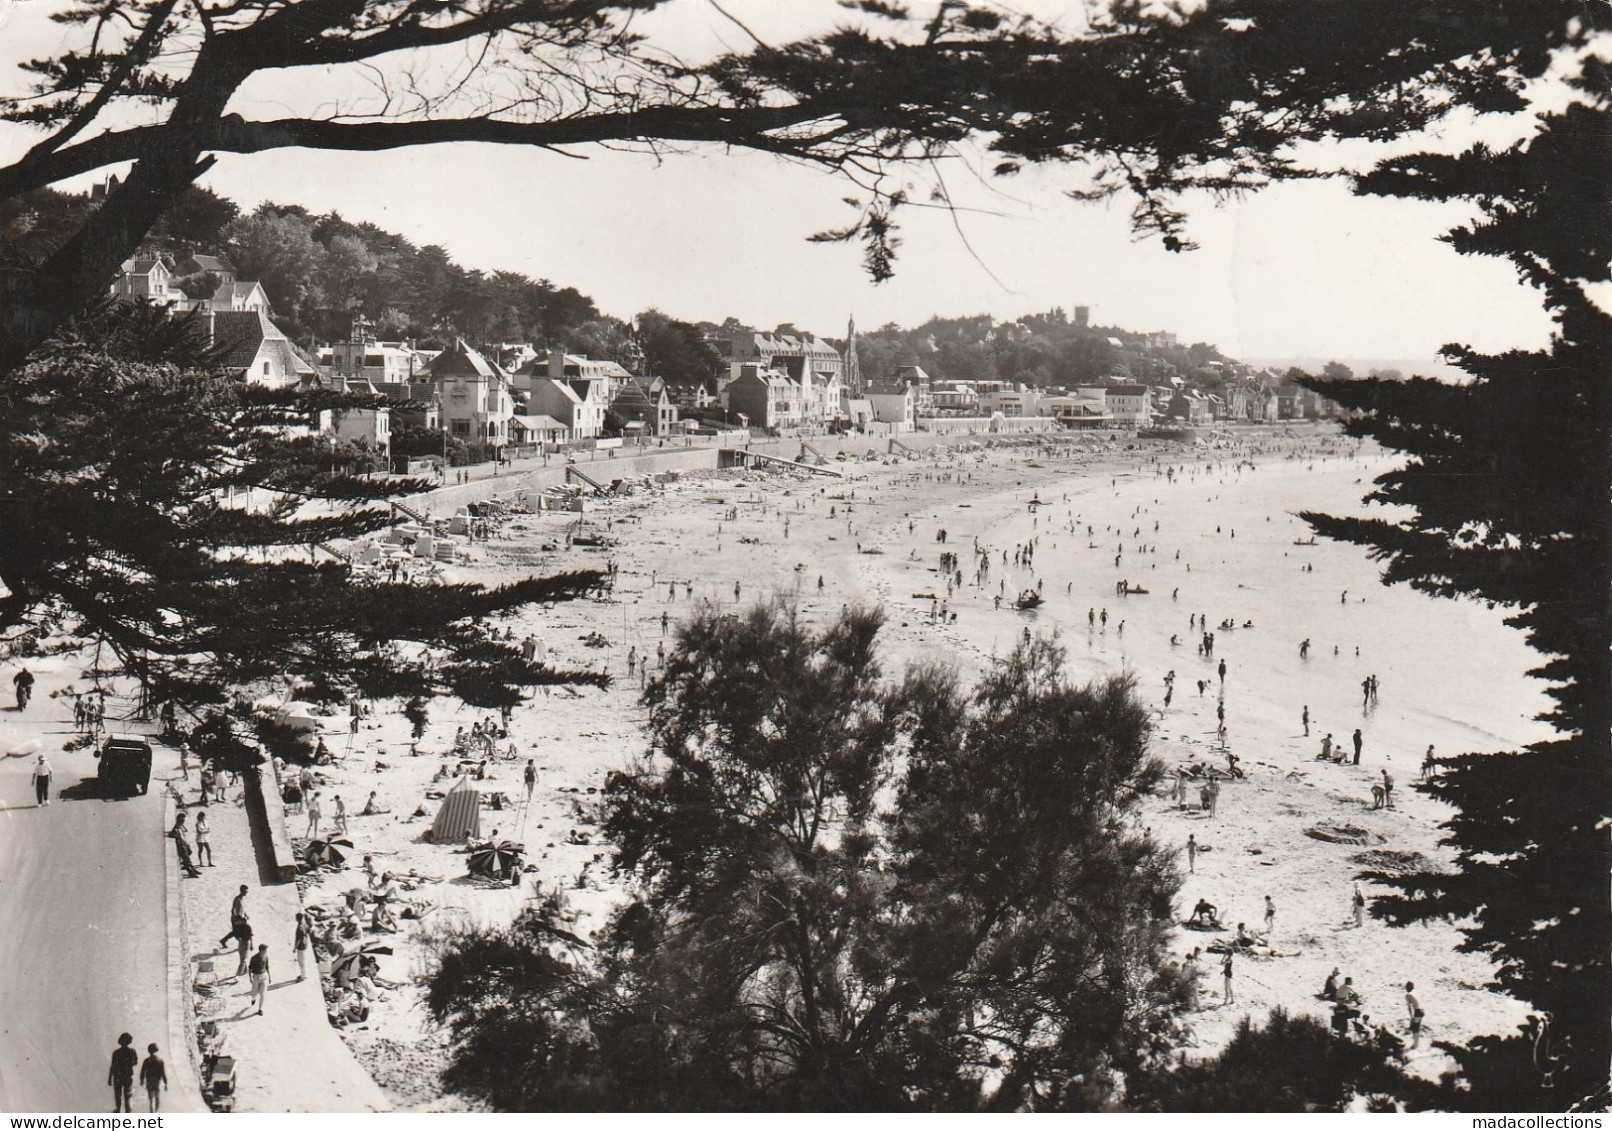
column 1153, row 99
column 175, row 516
column 847, row 896
column 1507, row 474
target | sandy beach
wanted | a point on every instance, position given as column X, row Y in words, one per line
column 1215, row 536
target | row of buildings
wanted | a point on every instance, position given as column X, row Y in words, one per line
column 1264, row 397
column 523, row 397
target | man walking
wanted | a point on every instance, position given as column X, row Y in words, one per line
column 259, row 968
column 1270, row 916
column 237, row 916
column 120, row 1076
column 1306, row 720
column 42, row 781
column 1192, row 852
column 23, row 681
column 1388, row 789
column 313, row 816
column 154, row 1075
column 1358, row 742
column 531, row 777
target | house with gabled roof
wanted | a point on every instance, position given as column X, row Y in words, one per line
column 765, row 398
column 477, row 403
column 258, row 350
column 147, row 277
column 215, row 265
column 573, row 390
column 645, row 402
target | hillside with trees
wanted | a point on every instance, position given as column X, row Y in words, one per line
column 321, row 270
column 1042, row 349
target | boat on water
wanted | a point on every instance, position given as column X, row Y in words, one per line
column 1029, row 599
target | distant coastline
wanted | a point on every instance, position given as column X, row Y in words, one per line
column 1408, row 366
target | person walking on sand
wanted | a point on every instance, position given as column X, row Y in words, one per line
column 41, row 781
column 1358, row 903
column 313, row 816
column 341, row 815
column 120, row 1076
column 1358, row 741
column 1226, row 996
column 154, row 1075
column 243, row 944
column 237, row 916
column 1306, row 720
column 1192, row 852
column 23, row 683
column 259, row 967
column 531, row 777
column 1427, row 763
column 299, row 945
column 1270, row 916
column 1388, row 789
column 1413, row 1014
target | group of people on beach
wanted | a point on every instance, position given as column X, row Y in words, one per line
column 1349, row 1018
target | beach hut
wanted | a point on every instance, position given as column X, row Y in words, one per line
column 459, row 817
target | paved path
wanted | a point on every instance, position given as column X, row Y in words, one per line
column 289, row 1058
column 83, row 946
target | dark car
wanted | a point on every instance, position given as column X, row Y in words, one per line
column 125, row 766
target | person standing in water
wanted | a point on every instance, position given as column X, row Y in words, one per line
column 1306, row 720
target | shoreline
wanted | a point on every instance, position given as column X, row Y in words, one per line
column 680, row 530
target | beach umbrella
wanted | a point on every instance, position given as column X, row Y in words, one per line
column 496, row 859
column 346, row 962
column 327, row 853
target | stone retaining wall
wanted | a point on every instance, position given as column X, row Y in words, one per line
column 266, row 813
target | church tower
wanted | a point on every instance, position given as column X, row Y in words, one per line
column 853, row 368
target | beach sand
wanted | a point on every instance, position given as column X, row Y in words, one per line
column 1450, row 673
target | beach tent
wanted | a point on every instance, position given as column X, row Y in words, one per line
column 460, row 815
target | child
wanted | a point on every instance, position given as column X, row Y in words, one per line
column 154, row 1075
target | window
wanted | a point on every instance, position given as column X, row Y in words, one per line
column 265, row 369
column 461, row 427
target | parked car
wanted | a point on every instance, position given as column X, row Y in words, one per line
column 125, row 766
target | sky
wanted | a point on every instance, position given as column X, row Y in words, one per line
column 1296, row 271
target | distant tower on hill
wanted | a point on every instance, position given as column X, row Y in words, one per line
column 1082, row 317
column 853, row 367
